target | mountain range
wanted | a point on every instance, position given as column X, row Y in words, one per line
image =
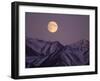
column 40, row 53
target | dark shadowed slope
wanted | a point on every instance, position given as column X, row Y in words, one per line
column 41, row 53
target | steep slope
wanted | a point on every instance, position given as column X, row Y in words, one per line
column 40, row 53
column 76, row 53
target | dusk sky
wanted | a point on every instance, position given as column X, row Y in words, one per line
column 71, row 28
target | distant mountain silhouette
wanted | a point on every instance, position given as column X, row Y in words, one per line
column 40, row 53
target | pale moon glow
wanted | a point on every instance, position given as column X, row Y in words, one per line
column 52, row 26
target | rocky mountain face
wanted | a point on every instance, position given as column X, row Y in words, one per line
column 41, row 53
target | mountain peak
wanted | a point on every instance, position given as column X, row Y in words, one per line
column 57, row 43
column 43, row 47
column 80, row 44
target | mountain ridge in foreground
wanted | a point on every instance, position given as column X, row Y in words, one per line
column 40, row 53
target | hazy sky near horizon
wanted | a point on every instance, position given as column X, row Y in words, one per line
column 71, row 28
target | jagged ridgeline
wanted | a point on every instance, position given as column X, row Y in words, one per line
column 40, row 53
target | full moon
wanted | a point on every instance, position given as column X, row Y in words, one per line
column 52, row 26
